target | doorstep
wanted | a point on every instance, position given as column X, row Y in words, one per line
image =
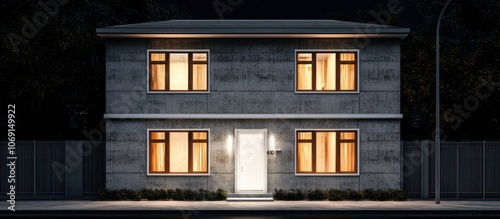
column 233, row 197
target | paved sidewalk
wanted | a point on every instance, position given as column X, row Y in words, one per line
column 276, row 205
column 223, row 209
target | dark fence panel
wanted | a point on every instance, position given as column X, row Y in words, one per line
column 94, row 168
column 49, row 174
column 24, row 169
column 492, row 170
column 468, row 170
column 412, row 168
column 41, row 168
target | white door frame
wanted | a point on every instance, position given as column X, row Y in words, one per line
column 237, row 160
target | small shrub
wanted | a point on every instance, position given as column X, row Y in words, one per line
column 161, row 194
column 170, row 193
column 382, row 195
column 221, row 194
column 210, row 195
column 335, row 195
column 398, row 194
column 279, row 194
column 291, row 195
column 368, row 194
column 154, row 194
column 178, row 195
column 338, row 195
column 129, row 194
column 122, row 194
column 354, row 195
column 105, row 195
column 199, row 195
column 188, row 194
column 317, row 195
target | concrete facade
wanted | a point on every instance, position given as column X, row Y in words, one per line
column 252, row 76
column 126, row 156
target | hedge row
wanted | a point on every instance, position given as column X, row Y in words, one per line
column 338, row 195
column 279, row 194
column 162, row 194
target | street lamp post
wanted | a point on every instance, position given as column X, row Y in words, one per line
column 438, row 135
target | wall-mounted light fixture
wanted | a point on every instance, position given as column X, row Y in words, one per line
column 229, row 144
column 272, row 146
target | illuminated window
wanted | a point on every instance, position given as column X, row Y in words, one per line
column 178, row 71
column 178, row 152
column 327, row 71
column 326, row 152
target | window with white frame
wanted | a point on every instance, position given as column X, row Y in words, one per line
column 178, row 71
column 326, row 71
column 178, row 152
column 326, row 152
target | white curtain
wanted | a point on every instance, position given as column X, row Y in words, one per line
column 178, row 152
column 178, row 71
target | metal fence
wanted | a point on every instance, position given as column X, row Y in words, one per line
column 41, row 168
column 468, row 169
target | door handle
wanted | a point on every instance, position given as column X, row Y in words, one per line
column 241, row 169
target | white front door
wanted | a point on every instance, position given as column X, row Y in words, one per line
column 251, row 161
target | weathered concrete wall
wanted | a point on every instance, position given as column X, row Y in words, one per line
column 127, row 158
column 252, row 76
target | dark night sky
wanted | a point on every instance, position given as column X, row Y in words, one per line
column 311, row 9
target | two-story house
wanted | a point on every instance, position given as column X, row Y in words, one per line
column 253, row 105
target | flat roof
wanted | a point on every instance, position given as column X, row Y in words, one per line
column 252, row 28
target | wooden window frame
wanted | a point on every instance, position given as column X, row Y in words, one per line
column 167, row 69
column 191, row 140
column 337, row 152
column 337, row 70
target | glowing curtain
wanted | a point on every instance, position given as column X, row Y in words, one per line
column 347, row 77
column 157, row 77
column 157, row 159
column 304, row 157
column 199, row 157
column 347, row 157
column 157, row 72
column 304, row 76
column 200, row 77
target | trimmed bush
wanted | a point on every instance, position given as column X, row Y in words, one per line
column 221, row 194
column 317, row 195
column 382, row 195
column 398, row 194
column 353, row 195
column 178, row 195
column 335, row 195
column 122, row 194
column 291, row 195
column 368, row 194
column 339, row 195
column 154, row 194
column 161, row 194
